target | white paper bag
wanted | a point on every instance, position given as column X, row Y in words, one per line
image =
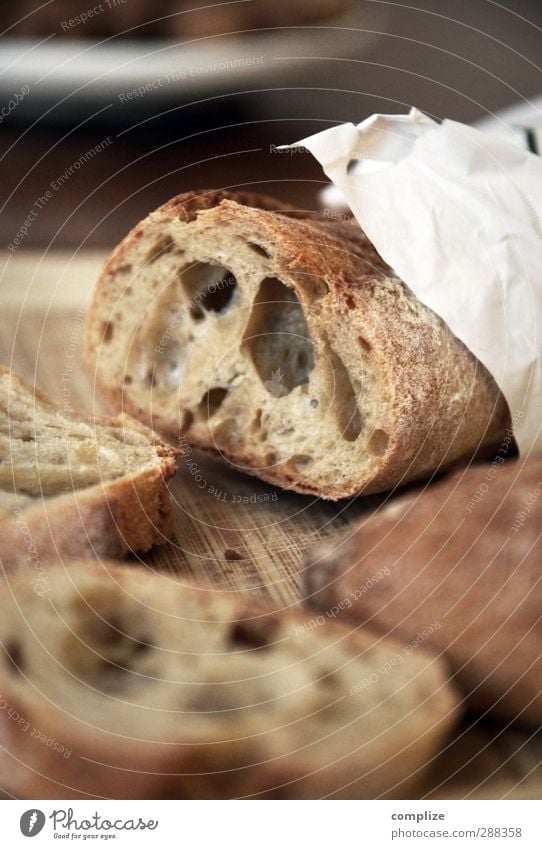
column 458, row 214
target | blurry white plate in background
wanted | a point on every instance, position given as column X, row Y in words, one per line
column 76, row 76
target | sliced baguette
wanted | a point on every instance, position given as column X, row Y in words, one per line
column 287, row 346
column 146, row 688
column 460, row 565
column 76, row 486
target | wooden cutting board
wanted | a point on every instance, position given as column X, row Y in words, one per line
column 231, row 530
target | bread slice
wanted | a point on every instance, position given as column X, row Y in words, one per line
column 75, row 486
column 147, row 688
column 287, row 346
column 459, row 562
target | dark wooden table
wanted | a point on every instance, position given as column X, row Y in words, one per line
column 87, row 189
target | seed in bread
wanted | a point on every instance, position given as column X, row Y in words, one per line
column 163, row 690
column 74, row 485
column 285, row 345
column 461, row 562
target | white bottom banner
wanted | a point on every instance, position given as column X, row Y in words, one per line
column 266, row 825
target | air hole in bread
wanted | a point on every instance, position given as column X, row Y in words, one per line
column 345, row 402
column 162, row 246
column 187, row 421
column 126, row 646
column 329, row 678
column 211, row 288
column 285, row 431
column 213, row 702
column 378, row 443
column 14, row 656
column 103, row 632
column 353, row 423
column 364, row 345
column 300, row 461
column 277, row 338
column 105, row 650
column 113, row 676
column 127, row 379
column 212, row 401
column 227, row 431
column 259, row 249
column 256, row 425
column 196, row 313
column 170, row 364
column 253, row 634
column 107, row 332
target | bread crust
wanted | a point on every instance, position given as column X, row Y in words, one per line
column 441, row 405
column 126, row 742
column 460, row 560
column 130, row 513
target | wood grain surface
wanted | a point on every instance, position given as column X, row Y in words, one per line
column 231, row 530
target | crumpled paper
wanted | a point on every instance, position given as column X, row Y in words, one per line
column 457, row 213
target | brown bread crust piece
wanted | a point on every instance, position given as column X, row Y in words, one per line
column 461, row 560
column 77, row 486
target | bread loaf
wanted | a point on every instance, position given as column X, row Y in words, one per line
column 77, row 486
column 146, row 688
column 285, row 345
column 457, row 567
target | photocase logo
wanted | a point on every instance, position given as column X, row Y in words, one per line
column 32, row 822
column 275, row 386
